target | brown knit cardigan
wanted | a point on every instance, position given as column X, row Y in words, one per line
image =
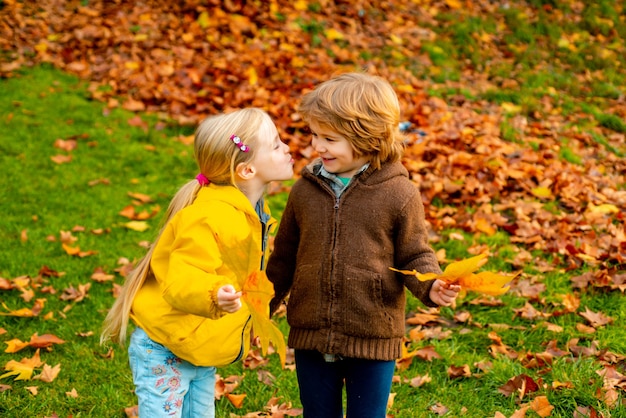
column 332, row 257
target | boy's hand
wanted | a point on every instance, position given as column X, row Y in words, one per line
column 228, row 299
column 444, row 294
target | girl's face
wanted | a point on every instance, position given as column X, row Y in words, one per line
column 336, row 151
column 272, row 160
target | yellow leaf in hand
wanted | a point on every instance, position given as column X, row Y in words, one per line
column 463, row 268
column 462, row 274
column 421, row 277
column 257, row 292
column 486, row 282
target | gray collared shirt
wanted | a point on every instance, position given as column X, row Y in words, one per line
column 335, row 182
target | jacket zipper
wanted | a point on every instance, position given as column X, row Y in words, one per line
column 242, row 343
column 325, row 186
column 332, row 269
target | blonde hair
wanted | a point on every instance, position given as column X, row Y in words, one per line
column 217, row 158
column 364, row 109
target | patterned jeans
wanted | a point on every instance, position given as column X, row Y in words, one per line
column 166, row 385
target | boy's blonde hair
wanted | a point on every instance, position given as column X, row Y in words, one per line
column 364, row 109
column 217, row 157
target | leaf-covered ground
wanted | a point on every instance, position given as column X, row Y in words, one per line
column 556, row 189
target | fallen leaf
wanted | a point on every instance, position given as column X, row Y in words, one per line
column 139, row 226
column 596, row 319
column 419, row 381
column 61, row 159
column 23, row 369
column 48, row 374
column 236, row 400
column 541, row 406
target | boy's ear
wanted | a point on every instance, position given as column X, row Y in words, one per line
column 245, row 170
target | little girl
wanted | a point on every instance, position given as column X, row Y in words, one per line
column 184, row 296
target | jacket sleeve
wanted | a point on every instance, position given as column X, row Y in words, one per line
column 185, row 265
column 282, row 260
column 413, row 251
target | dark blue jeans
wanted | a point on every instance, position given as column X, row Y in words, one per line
column 368, row 383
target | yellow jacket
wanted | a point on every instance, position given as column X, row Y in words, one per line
column 217, row 240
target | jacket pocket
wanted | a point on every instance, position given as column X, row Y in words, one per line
column 363, row 311
column 218, row 342
column 305, row 299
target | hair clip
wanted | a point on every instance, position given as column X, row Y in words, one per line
column 202, row 179
column 239, row 143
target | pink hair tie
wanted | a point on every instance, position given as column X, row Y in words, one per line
column 202, row 179
column 239, row 143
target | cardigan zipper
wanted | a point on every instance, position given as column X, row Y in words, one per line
column 332, row 269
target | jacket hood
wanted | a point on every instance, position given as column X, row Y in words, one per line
column 227, row 194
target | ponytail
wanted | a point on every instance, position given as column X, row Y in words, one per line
column 116, row 322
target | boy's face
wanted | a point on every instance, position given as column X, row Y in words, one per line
column 336, row 151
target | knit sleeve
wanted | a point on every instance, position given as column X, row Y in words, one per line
column 413, row 251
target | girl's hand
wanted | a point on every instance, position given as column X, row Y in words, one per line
column 444, row 294
column 228, row 299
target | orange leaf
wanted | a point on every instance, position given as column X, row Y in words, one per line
column 128, row 212
column 143, row 198
column 406, row 358
column 541, row 406
column 15, row 345
column 71, row 250
column 257, row 291
column 45, row 340
column 236, row 400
